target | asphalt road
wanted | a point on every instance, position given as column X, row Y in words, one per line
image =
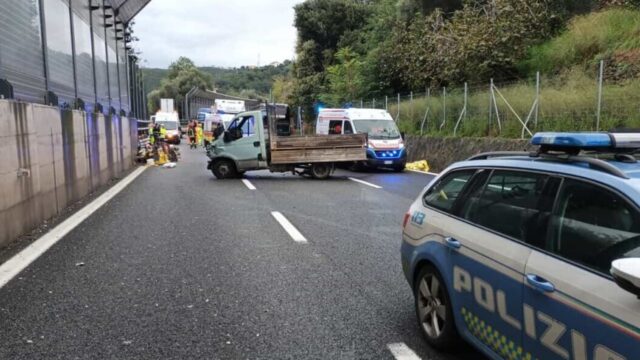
column 183, row 266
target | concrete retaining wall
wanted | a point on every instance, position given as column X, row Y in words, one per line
column 51, row 158
column 441, row 152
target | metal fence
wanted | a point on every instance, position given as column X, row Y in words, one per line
column 517, row 109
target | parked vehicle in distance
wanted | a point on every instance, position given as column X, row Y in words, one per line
column 168, row 117
column 386, row 145
column 258, row 140
column 532, row 256
column 174, row 134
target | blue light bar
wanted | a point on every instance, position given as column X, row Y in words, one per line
column 583, row 140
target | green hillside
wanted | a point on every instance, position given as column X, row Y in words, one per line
column 234, row 81
column 569, row 64
column 613, row 36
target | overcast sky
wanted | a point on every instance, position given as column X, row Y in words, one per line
column 216, row 32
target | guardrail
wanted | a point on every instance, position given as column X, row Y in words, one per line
column 143, row 132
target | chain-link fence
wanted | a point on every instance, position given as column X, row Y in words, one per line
column 571, row 102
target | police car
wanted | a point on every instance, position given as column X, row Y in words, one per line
column 532, row 255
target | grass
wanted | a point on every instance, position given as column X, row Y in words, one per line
column 587, row 40
column 568, row 102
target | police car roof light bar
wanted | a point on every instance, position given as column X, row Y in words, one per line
column 595, row 141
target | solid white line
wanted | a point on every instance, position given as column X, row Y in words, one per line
column 23, row 259
column 365, row 183
column 248, row 184
column 402, row 352
column 289, row 228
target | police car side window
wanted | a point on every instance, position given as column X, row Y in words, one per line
column 594, row 226
column 510, row 204
column 444, row 194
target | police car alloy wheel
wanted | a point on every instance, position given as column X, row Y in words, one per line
column 433, row 309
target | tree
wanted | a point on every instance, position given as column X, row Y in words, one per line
column 344, row 79
column 326, row 21
column 282, row 90
column 182, row 77
column 322, row 24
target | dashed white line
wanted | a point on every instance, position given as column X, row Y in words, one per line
column 402, row 352
column 23, row 259
column 365, row 183
column 248, row 184
column 289, row 228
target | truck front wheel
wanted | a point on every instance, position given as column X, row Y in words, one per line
column 224, row 169
column 321, row 171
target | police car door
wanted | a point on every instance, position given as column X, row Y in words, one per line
column 572, row 307
column 501, row 216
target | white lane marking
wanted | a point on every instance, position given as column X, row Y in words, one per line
column 365, row 183
column 402, row 352
column 31, row 253
column 289, row 228
column 248, row 184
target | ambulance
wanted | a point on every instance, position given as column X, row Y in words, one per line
column 386, row 147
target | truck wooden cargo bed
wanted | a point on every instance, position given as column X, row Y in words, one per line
column 318, row 149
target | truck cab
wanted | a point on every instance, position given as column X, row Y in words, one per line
column 262, row 139
column 241, row 147
column 386, row 145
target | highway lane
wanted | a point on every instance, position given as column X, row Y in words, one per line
column 181, row 265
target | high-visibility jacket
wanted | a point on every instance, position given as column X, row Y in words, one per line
column 152, row 138
column 199, row 133
column 163, row 133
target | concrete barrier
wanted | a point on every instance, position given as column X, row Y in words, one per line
column 442, row 152
column 52, row 158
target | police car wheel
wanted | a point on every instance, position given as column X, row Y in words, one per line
column 224, row 169
column 433, row 309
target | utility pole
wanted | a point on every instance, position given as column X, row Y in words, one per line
column 600, row 81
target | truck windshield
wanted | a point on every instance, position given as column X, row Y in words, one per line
column 377, row 129
column 169, row 125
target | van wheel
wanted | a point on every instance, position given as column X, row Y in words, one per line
column 434, row 310
column 224, row 169
column 321, row 171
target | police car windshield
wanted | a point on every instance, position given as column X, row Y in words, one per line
column 377, row 129
column 169, row 125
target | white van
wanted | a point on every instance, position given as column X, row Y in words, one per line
column 386, row 146
column 171, row 122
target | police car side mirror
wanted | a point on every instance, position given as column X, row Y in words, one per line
column 626, row 273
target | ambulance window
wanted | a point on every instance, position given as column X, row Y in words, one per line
column 444, row 194
column 335, row 127
column 594, row 226
column 348, row 130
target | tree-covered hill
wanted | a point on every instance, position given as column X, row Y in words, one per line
column 248, row 81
